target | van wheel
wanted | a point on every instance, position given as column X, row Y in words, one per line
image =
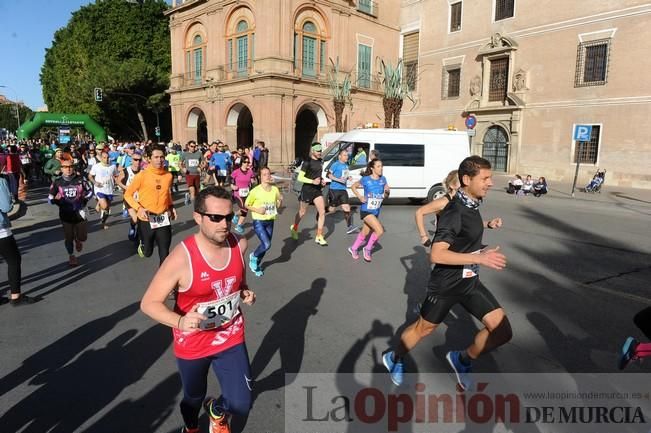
column 437, row 191
column 415, row 200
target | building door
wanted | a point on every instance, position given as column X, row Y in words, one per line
column 305, row 133
column 496, row 148
column 202, row 128
column 244, row 128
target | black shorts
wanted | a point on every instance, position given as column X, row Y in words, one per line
column 476, row 299
column 337, row 197
column 309, row 193
column 364, row 214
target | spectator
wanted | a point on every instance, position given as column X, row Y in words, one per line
column 527, row 186
column 515, row 185
column 540, row 187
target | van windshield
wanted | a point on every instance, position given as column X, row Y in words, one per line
column 353, row 148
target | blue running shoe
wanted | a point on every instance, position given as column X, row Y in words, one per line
column 462, row 371
column 628, row 353
column 396, row 369
column 125, row 213
column 253, row 263
column 132, row 233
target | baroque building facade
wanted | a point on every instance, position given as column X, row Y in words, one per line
column 245, row 70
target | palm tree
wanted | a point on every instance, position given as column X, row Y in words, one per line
column 340, row 91
column 395, row 91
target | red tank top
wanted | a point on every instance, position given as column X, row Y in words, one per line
column 209, row 284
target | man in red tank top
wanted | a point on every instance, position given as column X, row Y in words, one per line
column 208, row 271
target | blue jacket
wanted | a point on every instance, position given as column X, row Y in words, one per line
column 5, row 203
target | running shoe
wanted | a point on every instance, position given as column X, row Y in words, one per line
column 186, row 198
column 22, row 300
column 321, row 241
column 628, row 353
column 125, row 213
column 353, row 253
column 259, row 272
column 367, row 255
column 72, row 261
column 293, row 233
column 396, row 369
column 218, row 418
column 253, row 263
column 79, row 245
column 132, row 233
column 462, row 371
column 351, row 229
column 239, row 229
column 141, row 250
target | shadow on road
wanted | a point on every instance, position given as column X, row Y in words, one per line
column 287, row 337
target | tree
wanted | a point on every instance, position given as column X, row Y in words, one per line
column 395, row 91
column 8, row 118
column 121, row 47
column 340, row 91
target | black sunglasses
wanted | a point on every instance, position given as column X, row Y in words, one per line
column 136, row 159
column 217, row 218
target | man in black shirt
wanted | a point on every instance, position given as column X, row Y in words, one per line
column 457, row 252
column 310, row 176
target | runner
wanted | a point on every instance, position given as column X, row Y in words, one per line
column 124, row 180
column 263, row 201
column 207, row 269
column 242, row 179
column 9, row 248
column 457, row 252
column 71, row 192
column 190, row 164
column 102, row 176
column 633, row 350
column 376, row 189
column 310, row 176
column 26, row 160
column 53, row 165
column 174, row 166
column 220, row 163
column 149, row 193
column 338, row 195
column 451, row 183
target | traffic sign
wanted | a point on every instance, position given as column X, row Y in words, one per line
column 98, row 94
column 582, row 132
column 471, row 121
column 471, row 132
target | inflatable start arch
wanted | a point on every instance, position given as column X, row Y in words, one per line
column 39, row 120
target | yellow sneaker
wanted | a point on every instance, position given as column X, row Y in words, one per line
column 321, row 241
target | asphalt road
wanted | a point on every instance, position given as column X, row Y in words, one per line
column 85, row 359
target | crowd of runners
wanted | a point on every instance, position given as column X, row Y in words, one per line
column 206, row 272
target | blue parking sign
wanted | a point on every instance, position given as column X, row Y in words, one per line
column 582, row 132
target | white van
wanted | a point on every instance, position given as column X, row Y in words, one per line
column 415, row 160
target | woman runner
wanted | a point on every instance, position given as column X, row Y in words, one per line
column 242, row 178
column 263, row 201
column 376, row 189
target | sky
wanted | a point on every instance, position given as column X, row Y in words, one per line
column 26, row 29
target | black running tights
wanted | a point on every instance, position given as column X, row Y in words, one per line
column 9, row 252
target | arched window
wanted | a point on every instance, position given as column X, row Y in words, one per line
column 240, row 45
column 309, row 49
column 195, row 59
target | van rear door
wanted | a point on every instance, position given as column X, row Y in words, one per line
column 404, row 166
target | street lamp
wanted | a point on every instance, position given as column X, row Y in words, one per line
column 16, row 105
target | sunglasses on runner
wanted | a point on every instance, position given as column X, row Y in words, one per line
column 217, row 218
column 136, row 159
column 67, row 166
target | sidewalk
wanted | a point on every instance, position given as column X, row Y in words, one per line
column 613, row 195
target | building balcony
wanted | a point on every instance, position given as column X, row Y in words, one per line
column 369, row 7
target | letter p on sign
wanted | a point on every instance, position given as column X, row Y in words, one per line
column 582, row 132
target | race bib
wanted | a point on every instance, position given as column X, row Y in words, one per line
column 193, row 162
column 243, row 192
column 157, row 221
column 270, row 209
column 25, row 161
column 345, row 174
column 373, row 203
column 82, row 214
column 70, row 192
column 470, row 271
column 222, row 173
column 219, row 312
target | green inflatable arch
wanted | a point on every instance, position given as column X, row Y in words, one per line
column 39, row 120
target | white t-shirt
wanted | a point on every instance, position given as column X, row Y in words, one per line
column 105, row 174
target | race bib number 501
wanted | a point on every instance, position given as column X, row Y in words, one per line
column 219, row 312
